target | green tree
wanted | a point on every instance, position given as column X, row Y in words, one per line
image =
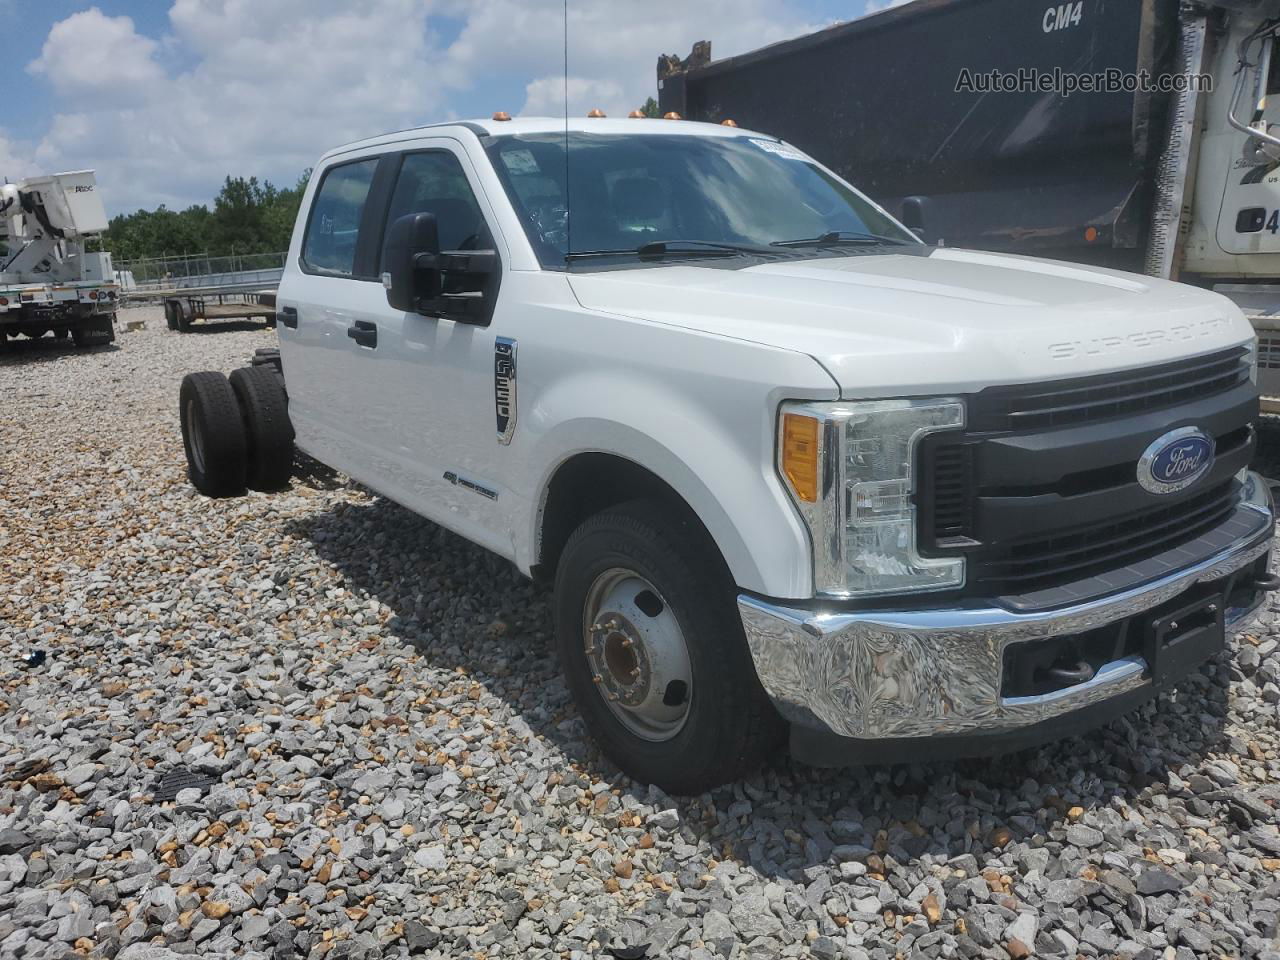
column 650, row 109
column 248, row 216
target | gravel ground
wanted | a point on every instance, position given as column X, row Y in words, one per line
column 311, row 724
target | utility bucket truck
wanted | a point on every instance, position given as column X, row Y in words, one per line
column 1142, row 135
column 48, row 281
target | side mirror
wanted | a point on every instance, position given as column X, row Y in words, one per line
column 458, row 285
column 407, row 284
column 914, row 210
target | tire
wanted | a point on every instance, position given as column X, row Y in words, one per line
column 95, row 332
column 61, row 333
column 213, row 434
column 182, row 315
column 268, row 430
column 171, row 314
column 728, row 724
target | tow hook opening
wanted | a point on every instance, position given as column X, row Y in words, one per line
column 1040, row 667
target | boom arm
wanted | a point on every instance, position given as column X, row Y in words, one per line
column 43, row 217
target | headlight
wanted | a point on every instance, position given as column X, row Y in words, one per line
column 851, row 470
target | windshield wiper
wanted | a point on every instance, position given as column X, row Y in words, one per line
column 683, row 248
column 843, row 236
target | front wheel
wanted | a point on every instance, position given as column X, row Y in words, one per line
column 653, row 650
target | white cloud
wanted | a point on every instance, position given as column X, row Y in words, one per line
column 613, row 47
column 252, row 87
column 16, row 160
column 91, row 56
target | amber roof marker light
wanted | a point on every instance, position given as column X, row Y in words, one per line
column 672, row 116
column 729, row 123
column 595, row 113
column 636, row 115
column 502, row 115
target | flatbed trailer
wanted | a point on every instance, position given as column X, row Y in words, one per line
column 184, row 308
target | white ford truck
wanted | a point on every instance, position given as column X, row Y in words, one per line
column 789, row 469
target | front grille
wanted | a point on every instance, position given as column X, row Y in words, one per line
column 1083, row 400
column 1039, row 561
column 1040, row 490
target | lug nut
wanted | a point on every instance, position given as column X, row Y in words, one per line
column 628, row 642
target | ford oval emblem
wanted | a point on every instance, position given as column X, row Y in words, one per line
column 1175, row 461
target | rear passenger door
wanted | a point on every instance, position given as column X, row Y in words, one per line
column 332, row 292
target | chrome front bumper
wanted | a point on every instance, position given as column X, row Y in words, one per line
column 884, row 674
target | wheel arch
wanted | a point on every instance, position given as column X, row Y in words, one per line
column 586, row 479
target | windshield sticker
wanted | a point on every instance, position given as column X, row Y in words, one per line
column 520, row 161
column 784, row 150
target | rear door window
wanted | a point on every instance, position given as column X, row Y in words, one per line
column 333, row 227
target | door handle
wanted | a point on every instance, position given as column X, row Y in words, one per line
column 289, row 317
column 364, row 333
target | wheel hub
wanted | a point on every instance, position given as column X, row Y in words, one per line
column 619, row 660
column 637, row 655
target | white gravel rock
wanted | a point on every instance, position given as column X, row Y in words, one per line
column 385, row 762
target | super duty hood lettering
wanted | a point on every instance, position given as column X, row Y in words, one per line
column 886, row 325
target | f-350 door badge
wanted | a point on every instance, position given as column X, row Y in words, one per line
column 504, row 386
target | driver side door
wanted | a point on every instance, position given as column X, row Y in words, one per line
column 436, row 426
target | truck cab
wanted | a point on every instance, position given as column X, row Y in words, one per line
column 788, row 470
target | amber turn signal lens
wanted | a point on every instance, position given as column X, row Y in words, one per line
column 800, row 455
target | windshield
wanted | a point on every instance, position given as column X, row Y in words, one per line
column 628, row 191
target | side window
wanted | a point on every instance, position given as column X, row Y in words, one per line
column 334, row 224
column 434, row 182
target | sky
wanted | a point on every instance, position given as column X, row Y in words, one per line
column 164, row 98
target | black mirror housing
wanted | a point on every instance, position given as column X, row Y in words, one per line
column 915, row 211
column 411, row 237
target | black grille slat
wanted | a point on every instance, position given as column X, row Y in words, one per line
column 1107, row 545
column 1164, row 396
column 1083, row 400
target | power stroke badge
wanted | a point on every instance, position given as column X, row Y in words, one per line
column 504, row 386
column 1175, row 460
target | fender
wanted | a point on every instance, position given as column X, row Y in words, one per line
column 719, row 459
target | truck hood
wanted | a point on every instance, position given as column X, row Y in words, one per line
column 951, row 321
